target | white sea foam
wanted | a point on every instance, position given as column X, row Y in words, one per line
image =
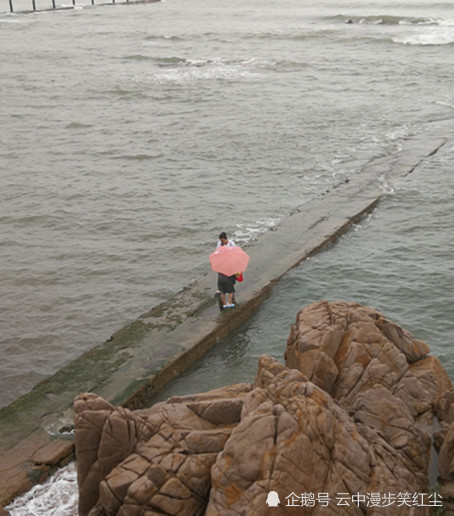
column 442, row 34
column 58, row 496
column 447, row 103
column 245, row 233
column 190, row 70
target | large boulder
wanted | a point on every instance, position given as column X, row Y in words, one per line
column 292, row 438
column 316, row 455
column 444, row 443
column 347, row 349
column 344, row 427
column 158, row 458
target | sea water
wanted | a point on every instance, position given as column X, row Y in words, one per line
column 132, row 135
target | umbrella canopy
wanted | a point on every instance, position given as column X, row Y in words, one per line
column 229, row 260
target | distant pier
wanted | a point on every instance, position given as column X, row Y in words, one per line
column 20, row 6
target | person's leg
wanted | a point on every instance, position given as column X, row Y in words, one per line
column 221, row 290
column 231, row 290
column 225, row 285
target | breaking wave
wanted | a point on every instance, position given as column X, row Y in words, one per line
column 58, row 496
column 439, row 35
column 384, row 20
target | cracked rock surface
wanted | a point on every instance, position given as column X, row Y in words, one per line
column 351, row 411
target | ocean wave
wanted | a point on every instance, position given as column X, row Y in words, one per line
column 175, row 61
column 415, row 30
column 77, row 125
column 138, row 57
column 153, row 37
column 249, row 62
column 434, row 36
column 292, row 34
column 58, row 496
column 179, row 70
column 218, row 36
column 384, row 20
column 446, row 103
column 246, row 233
column 138, row 157
column 166, row 62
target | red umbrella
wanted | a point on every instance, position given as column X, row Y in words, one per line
column 229, row 260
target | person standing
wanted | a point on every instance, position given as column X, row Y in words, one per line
column 225, row 283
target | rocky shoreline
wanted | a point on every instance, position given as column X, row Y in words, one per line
column 349, row 425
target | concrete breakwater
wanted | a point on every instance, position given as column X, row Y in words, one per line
column 36, row 430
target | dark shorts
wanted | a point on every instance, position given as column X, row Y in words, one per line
column 225, row 284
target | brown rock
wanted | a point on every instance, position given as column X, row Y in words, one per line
column 302, row 442
column 157, row 460
column 446, row 456
column 349, row 417
column 444, row 406
column 104, row 436
column 346, row 348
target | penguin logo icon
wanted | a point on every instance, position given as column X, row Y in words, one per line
column 272, row 499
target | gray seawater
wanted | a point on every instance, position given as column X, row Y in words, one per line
column 131, row 135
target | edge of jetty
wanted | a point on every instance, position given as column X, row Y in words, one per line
column 36, row 430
